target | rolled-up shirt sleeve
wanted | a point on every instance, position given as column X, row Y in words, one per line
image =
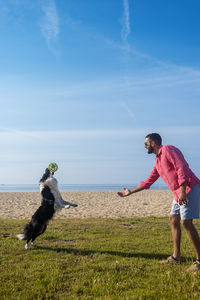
column 150, row 180
column 181, row 167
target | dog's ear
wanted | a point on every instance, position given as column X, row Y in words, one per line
column 47, row 172
column 45, row 175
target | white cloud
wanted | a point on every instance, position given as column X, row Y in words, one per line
column 50, row 136
column 87, row 156
column 63, row 136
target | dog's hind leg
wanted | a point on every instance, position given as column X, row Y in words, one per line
column 36, row 234
column 32, row 238
column 44, row 229
column 27, row 243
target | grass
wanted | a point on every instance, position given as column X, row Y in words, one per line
column 96, row 259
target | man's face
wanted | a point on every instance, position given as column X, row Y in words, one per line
column 148, row 146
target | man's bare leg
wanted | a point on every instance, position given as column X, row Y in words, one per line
column 193, row 235
column 176, row 235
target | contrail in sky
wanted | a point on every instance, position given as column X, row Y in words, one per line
column 125, row 21
column 50, row 22
column 129, row 111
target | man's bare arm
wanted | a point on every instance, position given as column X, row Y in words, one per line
column 183, row 197
column 126, row 192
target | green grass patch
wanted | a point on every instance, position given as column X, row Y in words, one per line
column 96, row 259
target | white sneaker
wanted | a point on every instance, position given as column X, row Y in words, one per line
column 194, row 267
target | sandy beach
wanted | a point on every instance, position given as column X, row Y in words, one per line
column 91, row 204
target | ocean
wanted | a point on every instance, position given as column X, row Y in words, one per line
column 73, row 187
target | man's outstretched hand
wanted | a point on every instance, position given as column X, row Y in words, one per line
column 126, row 192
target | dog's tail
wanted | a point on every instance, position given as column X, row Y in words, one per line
column 21, row 236
column 27, row 232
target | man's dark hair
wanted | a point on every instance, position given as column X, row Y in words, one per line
column 154, row 137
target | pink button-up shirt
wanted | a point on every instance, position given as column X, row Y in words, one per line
column 174, row 170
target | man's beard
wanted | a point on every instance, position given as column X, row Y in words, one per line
column 150, row 150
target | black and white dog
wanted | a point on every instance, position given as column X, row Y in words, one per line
column 51, row 202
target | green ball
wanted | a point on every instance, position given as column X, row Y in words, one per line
column 53, row 167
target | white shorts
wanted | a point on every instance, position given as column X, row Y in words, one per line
column 191, row 210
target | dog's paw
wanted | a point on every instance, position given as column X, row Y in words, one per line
column 72, row 204
column 27, row 246
column 67, row 206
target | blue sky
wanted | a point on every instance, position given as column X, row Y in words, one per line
column 83, row 82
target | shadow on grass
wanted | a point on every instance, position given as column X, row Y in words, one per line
column 115, row 253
